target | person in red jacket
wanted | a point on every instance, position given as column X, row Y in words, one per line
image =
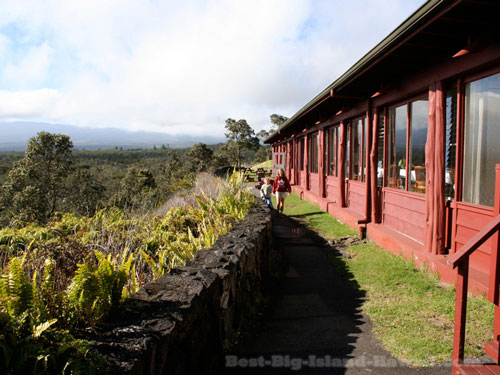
column 281, row 187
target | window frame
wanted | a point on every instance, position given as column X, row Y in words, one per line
column 328, row 149
column 406, row 103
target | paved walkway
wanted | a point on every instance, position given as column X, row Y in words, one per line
column 312, row 321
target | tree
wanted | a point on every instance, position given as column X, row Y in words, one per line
column 137, row 188
column 84, row 191
column 199, row 157
column 277, row 121
column 264, row 153
column 240, row 137
column 263, row 135
column 36, row 184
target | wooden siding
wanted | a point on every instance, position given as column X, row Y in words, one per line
column 470, row 219
column 302, row 179
column 314, row 183
column 332, row 188
column 405, row 213
column 356, row 199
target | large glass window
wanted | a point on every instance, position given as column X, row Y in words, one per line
column 347, row 151
column 418, row 136
column 450, row 144
column 481, row 140
column 357, row 164
column 312, row 144
column 332, row 135
column 396, row 146
column 409, row 120
column 380, row 149
column 301, row 154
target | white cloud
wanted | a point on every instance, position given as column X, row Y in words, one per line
column 31, row 70
column 181, row 67
column 21, row 105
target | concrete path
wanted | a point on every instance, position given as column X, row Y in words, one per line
column 312, row 321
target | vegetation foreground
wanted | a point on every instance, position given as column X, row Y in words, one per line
column 71, row 272
column 412, row 312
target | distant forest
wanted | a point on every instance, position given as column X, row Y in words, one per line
column 52, row 177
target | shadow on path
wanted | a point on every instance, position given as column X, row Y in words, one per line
column 312, row 321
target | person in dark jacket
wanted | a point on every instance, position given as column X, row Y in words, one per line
column 281, row 187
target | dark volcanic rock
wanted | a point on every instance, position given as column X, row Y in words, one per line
column 178, row 323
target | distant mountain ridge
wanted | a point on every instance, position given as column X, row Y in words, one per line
column 14, row 137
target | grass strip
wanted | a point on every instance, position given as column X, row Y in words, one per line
column 314, row 218
column 412, row 312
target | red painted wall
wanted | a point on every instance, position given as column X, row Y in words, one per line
column 356, row 198
column 332, row 188
column 471, row 219
column 404, row 212
column 314, row 183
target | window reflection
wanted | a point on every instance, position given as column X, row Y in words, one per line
column 450, row 144
column 312, row 143
column 482, row 140
column 397, row 120
column 418, row 137
column 332, row 150
column 380, row 150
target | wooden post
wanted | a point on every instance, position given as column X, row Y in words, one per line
column 374, row 170
column 306, row 159
column 458, row 160
column 366, row 153
column 429, row 171
column 295, row 161
column 321, row 162
column 494, row 260
column 288, row 161
column 438, row 224
column 460, row 315
column 493, row 347
column 341, row 162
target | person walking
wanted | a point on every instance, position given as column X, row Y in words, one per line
column 266, row 192
column 281, row 187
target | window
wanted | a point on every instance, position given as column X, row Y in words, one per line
column 380, row 149
column 418, row 136
column 409, row 120
column 481, row 139
column 396, row 146
column 450, row 144
column 332, row 135
column 347, row 152
column 357, row 150
column 301, row 154
column 312, row 143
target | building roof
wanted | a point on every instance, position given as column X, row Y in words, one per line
column 434, row 31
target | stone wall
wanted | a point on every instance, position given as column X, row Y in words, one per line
column 179, row 323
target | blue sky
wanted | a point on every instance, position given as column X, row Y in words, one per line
column 180, row 67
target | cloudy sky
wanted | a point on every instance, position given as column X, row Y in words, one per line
column 181, row 67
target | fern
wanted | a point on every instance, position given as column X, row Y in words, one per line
column 15, row 288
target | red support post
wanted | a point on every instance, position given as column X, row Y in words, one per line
column 321, row 162
column 366, row 152
column 460, row 315
column 341, row 167
column 306, row 159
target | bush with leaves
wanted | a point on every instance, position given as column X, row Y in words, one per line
column 74, row 270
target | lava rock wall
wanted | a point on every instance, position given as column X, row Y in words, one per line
column 179, row 323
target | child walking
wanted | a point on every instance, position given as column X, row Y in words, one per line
column 281, row 187
column 266, row 192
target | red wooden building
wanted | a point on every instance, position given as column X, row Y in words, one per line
column 403, row 146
